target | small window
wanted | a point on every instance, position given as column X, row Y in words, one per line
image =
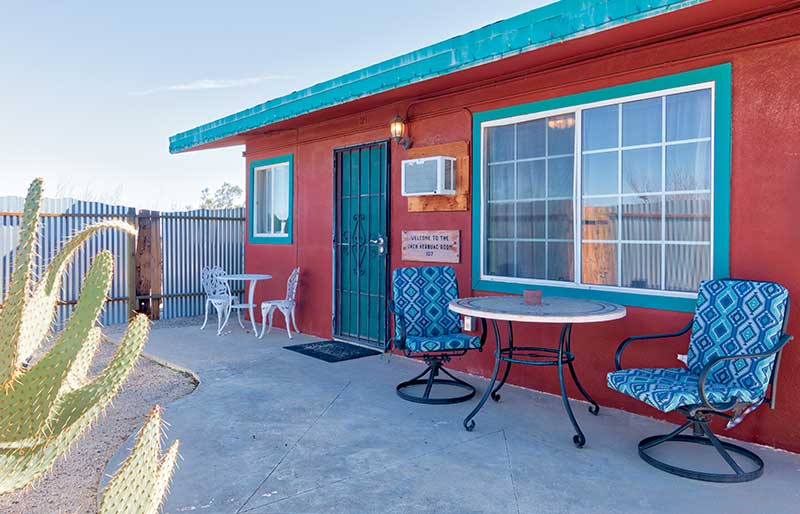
column 271, row 201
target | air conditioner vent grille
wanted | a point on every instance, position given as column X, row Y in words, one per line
column 428, row 176
column 421, row 177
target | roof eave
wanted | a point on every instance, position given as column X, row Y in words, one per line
column 542, row 27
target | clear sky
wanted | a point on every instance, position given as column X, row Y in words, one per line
column 91, row 91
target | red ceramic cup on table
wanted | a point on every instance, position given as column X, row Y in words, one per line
column 532, row 297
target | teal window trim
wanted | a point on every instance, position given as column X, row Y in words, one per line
column 721, row 76
column 252, row 238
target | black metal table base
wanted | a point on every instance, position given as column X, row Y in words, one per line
column 703, row 436
column 535, row 356
column 433, row 369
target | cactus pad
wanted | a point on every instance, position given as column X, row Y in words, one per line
column 144, row 475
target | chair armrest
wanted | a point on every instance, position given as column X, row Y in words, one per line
column 626, row 342
column 483, row 333
column 785, row 338
column 400, row 324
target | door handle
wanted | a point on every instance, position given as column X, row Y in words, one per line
column 381, row 242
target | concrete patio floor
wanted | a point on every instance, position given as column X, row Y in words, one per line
column 273, row 431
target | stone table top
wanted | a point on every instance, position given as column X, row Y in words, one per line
column 553, row 309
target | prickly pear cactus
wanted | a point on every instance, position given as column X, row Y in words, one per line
column 143, row 477
column 46, row 405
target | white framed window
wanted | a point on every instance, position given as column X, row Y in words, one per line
column 612, row 195
column 272, row 200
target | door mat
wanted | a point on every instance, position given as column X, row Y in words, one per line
column 332, row 351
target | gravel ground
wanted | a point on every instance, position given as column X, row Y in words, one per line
column 72, row 484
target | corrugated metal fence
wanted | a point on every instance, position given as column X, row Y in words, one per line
column 189, row 240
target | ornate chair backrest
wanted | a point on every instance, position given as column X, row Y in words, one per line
column 421, row 296
column 291, row 285
column 211, row 283
column 738, row 317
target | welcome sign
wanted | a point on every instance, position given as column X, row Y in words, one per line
column 432, row 246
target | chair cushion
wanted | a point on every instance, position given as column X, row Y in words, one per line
column 737, row 317
column 421, row 295
column 666, row 389
column 443, row 343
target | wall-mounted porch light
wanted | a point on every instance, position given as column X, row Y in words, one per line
column 397, row 128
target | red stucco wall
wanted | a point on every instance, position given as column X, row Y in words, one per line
column 765, row 180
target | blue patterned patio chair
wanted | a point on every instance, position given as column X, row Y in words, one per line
column 738, row 333
column 425, row 328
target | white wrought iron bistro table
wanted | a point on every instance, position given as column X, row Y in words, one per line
column 564, row 311
column 251, row 279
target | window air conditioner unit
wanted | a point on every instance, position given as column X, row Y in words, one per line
column 429, row 176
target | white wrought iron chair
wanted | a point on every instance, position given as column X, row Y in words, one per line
column 218, row 294
column 286, row 306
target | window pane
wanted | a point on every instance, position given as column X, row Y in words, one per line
column 599, row 263
column 641, row 218
column 559, row 219
column 259, row 196
column 531, row 139
column 530, row 260
column 688, row 217
column 559, row 177
column 559, row 261
column 531, row 220
column 561, row 135
column 641, row 170
column 280, row 199
column 500, row 220
column 689, row 115
column 531, row 179
column 600, row 218
column 501, row 182
column 688, row 166
column 687, row 265
column 600, row 173
column 500, row 143
column 641, row 266
column 266, row 202
column 600, row 128
column 517, row 208
column 641, row 122
column 500, row 258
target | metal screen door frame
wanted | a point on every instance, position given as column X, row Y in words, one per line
column 357, row 240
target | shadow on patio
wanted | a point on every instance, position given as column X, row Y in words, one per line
column 272, row 431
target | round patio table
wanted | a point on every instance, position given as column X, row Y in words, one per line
column 251, row 279
column 564, row 311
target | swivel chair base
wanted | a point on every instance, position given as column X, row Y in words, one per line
column 432, row 371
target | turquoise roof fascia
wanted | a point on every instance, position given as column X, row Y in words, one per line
column 557, row 22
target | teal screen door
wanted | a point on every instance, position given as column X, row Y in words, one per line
column 360, row 243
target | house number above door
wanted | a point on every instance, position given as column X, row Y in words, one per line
column 432, row 246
